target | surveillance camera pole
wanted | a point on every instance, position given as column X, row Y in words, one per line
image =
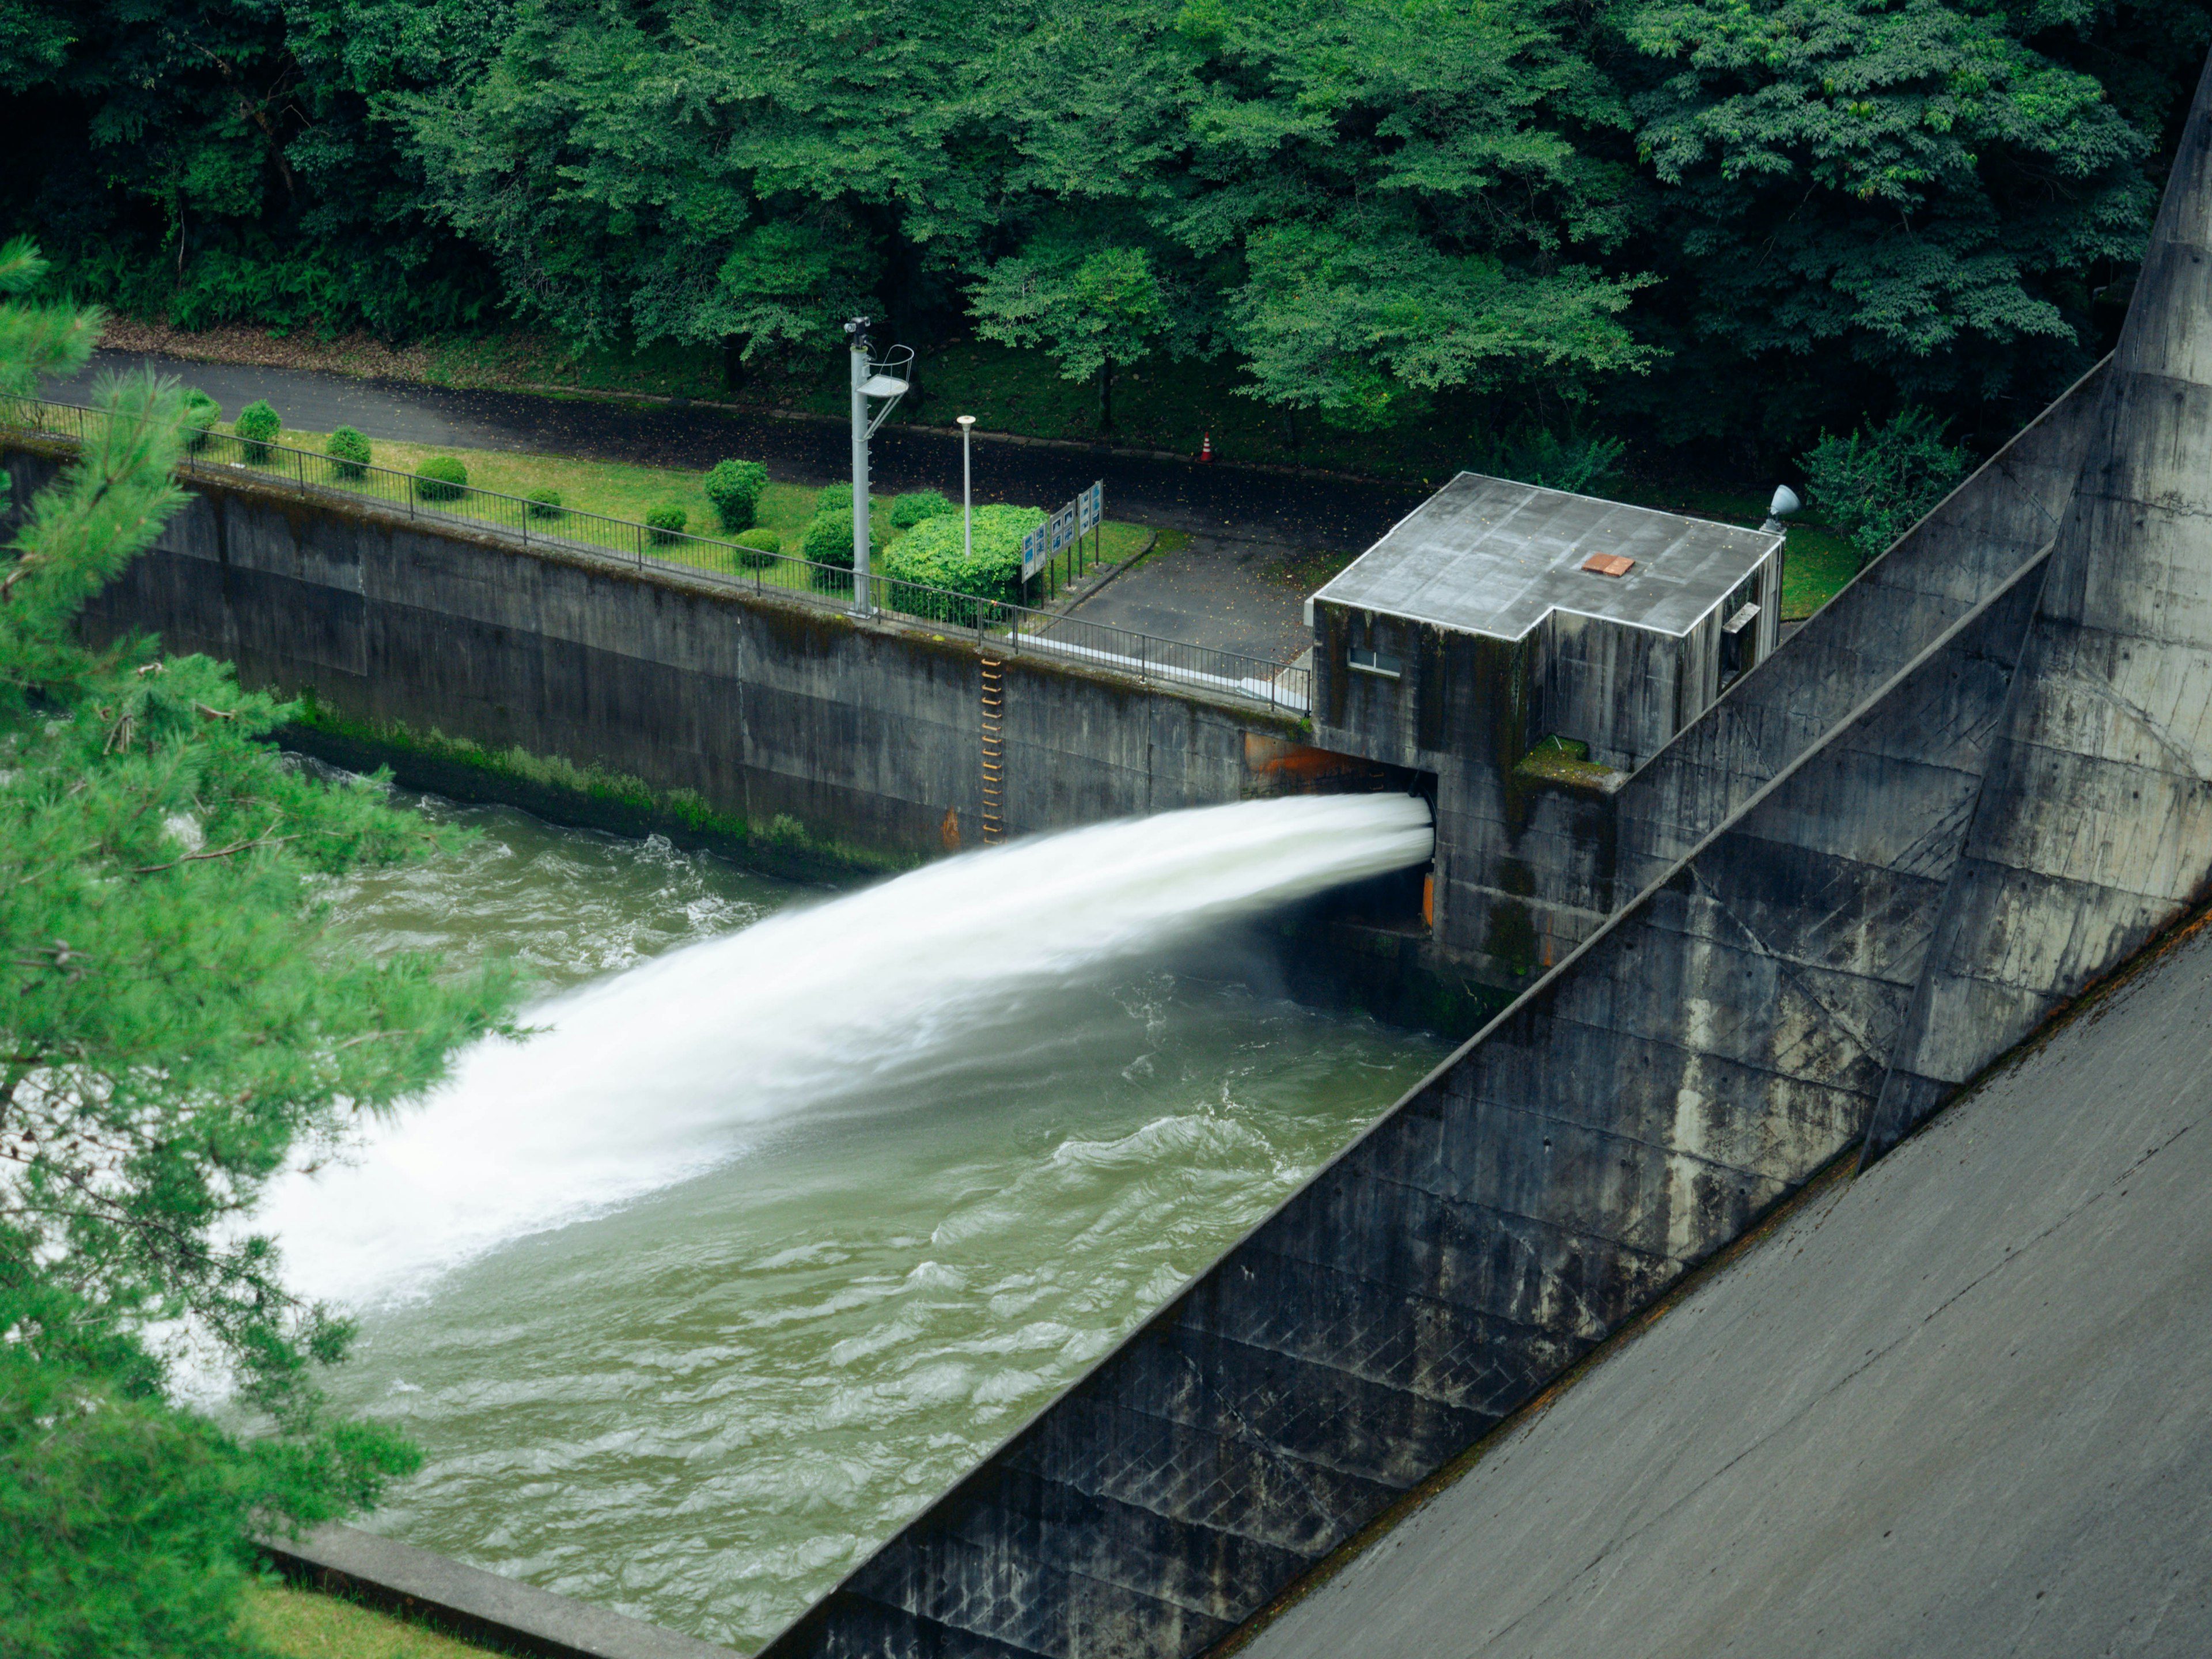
column 887, row 380
column 857, row 330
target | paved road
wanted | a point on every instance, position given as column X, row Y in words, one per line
column 1297, row 513
column 1959, row 1407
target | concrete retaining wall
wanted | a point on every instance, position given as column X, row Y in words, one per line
column 868, row 733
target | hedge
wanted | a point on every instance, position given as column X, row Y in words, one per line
column 201, row 413
column 665, row 524
column 933, row 553
column 919, row 507
column 757, row 548
column 350, row 451
column 257, row 429
column 440, row 478
column 830, row 537
column 734, row 487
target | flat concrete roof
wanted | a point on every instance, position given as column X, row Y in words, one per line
column 1488, row 556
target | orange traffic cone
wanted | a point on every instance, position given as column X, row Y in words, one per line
column 1206, row 447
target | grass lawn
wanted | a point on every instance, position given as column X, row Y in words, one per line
column 620, row 489
column 304, row 1624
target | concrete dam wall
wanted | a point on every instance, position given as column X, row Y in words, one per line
column 2016, row 803
column 866, row 732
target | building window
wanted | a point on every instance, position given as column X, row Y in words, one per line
column 1381, row 664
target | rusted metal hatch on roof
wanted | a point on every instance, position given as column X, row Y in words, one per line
column 1608, row 564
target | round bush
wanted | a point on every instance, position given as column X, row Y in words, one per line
column 757, row 549
column 201, row 413
column 665, row 524
column 908, row 511
column 734, row 487
column 933, row 553
column 545, row 504
column 350, row 453
column 440, row 478
column 257, row 429
column 829, row 538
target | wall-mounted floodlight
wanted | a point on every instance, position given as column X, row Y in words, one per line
column 886, row 379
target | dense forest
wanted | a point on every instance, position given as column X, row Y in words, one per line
column 1689, row 218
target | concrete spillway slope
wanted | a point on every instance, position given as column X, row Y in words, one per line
column 1957, row 1406
column 2009, row 811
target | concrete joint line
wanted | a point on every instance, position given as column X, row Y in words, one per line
column 1915, row 1013
column 1784, row 965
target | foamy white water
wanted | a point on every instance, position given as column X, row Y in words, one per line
column 660, row 1072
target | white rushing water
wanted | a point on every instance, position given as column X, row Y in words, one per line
column 659, row 1072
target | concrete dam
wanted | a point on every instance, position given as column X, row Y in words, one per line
column 1782, row 901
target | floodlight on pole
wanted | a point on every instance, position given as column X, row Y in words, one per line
column 886, row 379
column 967, row 491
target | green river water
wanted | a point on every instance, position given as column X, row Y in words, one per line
column 704, row 1405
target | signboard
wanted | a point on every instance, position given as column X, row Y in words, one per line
column 1060, row 530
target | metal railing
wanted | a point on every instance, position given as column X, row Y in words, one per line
column 1016, row 629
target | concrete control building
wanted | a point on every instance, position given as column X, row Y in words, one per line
column 1504, row 637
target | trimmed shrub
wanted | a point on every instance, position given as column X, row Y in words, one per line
column 908, row 511
column 757, row 549
column 545, row 504
column 734, row 487
column 350, row 451
column 440, row 478
column 829, row 538
column 201, row 413
column 1877, row 483
column 664, row 524
column 935, row 553
column 257, row 429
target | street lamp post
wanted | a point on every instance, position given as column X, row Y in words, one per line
column 967, row 492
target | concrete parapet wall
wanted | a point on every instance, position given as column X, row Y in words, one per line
column 866, row 732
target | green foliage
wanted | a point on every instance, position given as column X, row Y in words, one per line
column 1737, row 217
column 39, row 335
column 350, row 451
column 1090, row 308
column 935, row 553
column 757, row 548
column 912, row 509
column 1583, row 463
column 440, row 478
column 734, row 487
column 545, row 503
column 257, row 429
column 201, row 413
column 1877, row 483
column 830, row 534
column 665, row 523
column 178, row 1026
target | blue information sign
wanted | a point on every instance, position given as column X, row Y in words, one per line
column 1059, row 532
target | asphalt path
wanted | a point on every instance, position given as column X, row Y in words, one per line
column 1298, row 513
column 1955, row 1406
